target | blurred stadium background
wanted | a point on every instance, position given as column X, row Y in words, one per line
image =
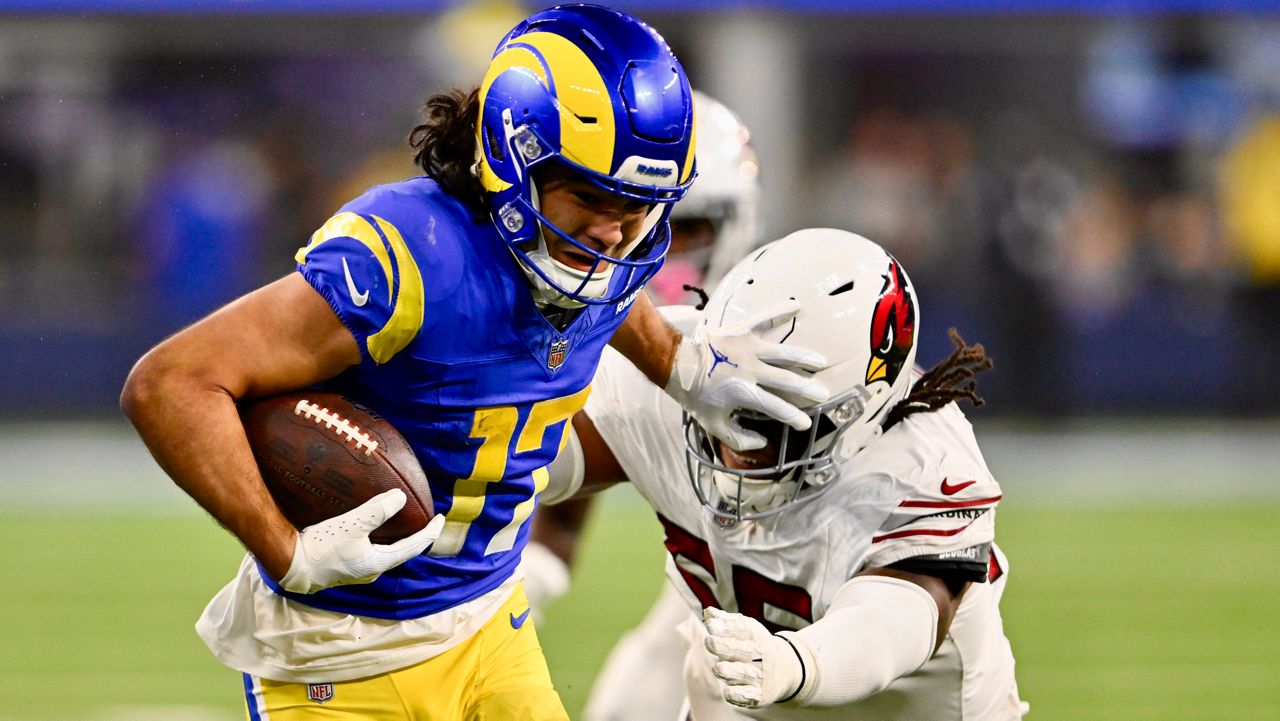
column 1091, row 189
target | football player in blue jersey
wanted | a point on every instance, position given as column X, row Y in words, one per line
column 469, row 307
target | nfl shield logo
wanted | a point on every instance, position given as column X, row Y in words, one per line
column 320, row 692
column 726, row 507
column 555, row 358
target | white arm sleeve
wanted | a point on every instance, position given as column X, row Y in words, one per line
column 877, row 629
column 564, row 475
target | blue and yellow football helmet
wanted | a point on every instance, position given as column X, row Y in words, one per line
column 600, row 92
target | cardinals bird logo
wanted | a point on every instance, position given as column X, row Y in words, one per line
column 893, row 326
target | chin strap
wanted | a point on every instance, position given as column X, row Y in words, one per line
column 543, row 293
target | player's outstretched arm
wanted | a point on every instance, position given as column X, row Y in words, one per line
column 181, row 397
column 647, row 340
column 882, row 624
column 715, row 372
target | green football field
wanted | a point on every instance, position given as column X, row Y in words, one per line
column 1132, row 613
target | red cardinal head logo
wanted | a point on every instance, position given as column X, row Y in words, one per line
column 893, row 326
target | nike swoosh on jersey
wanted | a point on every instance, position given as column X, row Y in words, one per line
column 356, row 296
column 518, row 621
column 950, row 490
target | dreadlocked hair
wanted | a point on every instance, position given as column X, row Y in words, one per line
column 445, row 144
column 703, row 299
column 952, row 379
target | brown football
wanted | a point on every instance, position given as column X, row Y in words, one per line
column 322, row 454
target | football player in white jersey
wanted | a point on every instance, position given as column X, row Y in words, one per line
column 715, row 225
column 848, row 571
column 717, row 222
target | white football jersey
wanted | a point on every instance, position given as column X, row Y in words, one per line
column 920, row 491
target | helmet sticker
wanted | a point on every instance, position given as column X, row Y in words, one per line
column 892, row 326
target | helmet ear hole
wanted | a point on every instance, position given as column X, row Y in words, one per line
column 494, row 145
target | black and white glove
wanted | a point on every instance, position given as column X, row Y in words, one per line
column 338, row 552
column 756, row 668
column 720, row 370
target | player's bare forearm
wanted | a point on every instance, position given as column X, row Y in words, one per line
column 193, row 432
column 648, row 341
column 181, row 397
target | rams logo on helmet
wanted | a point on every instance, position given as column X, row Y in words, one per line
column 655, row 172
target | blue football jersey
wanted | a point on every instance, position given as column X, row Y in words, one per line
column 457, row 356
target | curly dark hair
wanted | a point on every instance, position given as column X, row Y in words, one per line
column 952, row 379
column 444, row 144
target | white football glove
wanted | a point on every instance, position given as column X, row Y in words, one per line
column 757, row 668
column 338, row 552
column 718, row 371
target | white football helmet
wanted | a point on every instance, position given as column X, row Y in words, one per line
column 726, row 195
column 859, row 310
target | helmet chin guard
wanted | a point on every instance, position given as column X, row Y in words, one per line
column 554, row 283
column 805, row 462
